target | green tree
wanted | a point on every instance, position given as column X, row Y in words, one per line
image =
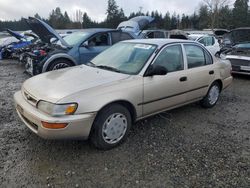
column 37, row 16
column 114, row 14
column 167, row 21
column 240, row 13
column 225, row 18
column 204, row 18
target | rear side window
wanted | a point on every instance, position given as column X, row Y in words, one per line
column 196, row 56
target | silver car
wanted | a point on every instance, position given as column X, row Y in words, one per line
column 126, row 83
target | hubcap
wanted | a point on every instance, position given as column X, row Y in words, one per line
column 213, row 94
column 114, row 128
column 60, row 66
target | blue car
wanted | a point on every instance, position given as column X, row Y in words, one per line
column 20, row 41
column 75, row 49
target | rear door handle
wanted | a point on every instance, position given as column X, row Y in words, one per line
column 183, row 79
column 211, row 72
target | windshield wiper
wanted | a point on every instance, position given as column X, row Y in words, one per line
column 108, row 68
column 90, row 63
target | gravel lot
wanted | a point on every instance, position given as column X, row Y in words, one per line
column 185, row 147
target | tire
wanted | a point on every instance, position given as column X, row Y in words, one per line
column 212, row 96
column 111, row 127
column 59, row 64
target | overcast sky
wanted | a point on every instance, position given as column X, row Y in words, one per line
column 15, row 9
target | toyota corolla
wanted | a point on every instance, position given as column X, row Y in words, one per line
column 126, row 83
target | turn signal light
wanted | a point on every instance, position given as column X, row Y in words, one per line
column 54, row 125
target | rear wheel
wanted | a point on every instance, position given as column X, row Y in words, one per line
column 212, row 96
column 60, row 64
column 111, row 127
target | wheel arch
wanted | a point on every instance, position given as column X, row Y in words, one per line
column 219, row 82
column 56, row 57
column 130, row 107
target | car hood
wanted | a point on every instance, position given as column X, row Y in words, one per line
column 136, row 24
column 240, row 35
column 220, row 32
column 15, row 34
column 44, row 31
column 54, row 86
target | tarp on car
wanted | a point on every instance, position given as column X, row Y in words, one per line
column 15, row 34
column 136, row 24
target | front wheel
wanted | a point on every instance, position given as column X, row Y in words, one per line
column 111, row 127
column 212, row 96
column 60, row 64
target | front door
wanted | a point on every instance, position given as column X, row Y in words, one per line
column 94, row 46
column 162, row 92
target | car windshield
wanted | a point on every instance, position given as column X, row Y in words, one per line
column 76, row 37
column 243, row 45
column 124, row 57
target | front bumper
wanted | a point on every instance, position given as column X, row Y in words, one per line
column 240, row 64
column 78, row 127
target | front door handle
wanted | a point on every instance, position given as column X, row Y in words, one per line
column 211, row 72
column 183, row 79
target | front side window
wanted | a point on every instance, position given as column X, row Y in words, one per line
column 171, row 58
column 101, row 39
column 195, row 56
column 75, row 38
column 125, row 57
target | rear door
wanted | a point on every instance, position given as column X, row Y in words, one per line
column 161, row 92
column 95, row 45
column 200, row 73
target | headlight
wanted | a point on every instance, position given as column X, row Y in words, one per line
column 57, row 109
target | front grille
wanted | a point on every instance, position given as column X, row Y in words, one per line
column 30, row 98
column 239, row 62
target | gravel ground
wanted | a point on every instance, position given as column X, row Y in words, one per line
column 185, row 147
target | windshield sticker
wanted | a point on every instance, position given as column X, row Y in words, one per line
column 143, row 46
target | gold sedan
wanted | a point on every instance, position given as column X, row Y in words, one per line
column 128, row 82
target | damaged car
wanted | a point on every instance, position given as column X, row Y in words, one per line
column 236, row 48
column 10, row 46
column 74, row 49
column 209, row 41
column 159, row 33
column 101, row 100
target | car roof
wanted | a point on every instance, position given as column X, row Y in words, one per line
column 159, row 42
column 96, row 30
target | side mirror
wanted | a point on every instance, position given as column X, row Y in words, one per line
column 156, row 70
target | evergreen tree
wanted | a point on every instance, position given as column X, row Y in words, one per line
column 240, row 13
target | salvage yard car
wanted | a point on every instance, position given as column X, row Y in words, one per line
column 209, row 41
column 74, row 49
column 236, row 48
column 126, row 83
